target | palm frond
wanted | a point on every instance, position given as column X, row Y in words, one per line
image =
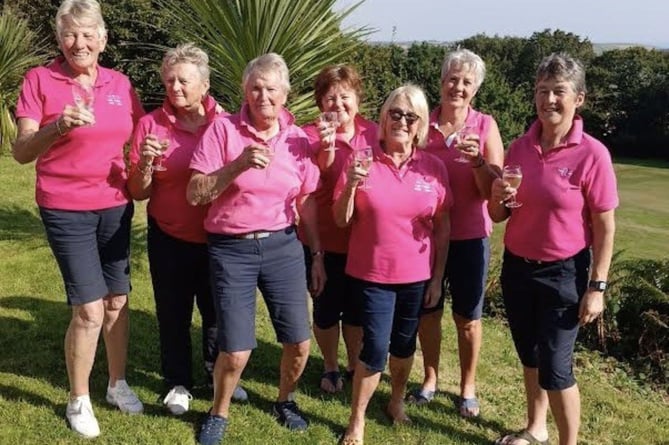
column 308, row 34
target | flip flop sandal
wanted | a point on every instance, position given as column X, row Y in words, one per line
column 420, row 396
column 467, row 406
column 521, row 435
column 334, row 377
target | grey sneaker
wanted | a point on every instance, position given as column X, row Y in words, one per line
column 124, row 398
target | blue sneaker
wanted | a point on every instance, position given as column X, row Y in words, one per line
column 289, row 415
column 212, row 431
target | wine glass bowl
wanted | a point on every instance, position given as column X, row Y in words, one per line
column 464, row 133
column 513, row 175
column 364, row 158
column 83, row 96
column 331, row 120
column 163, row 138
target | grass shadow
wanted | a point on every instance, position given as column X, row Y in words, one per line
column 19, row 224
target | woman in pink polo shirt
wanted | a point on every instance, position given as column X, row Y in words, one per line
column 397, row 207
column 74, row 118
column 469, row 144
column 177, row 242
column 337, row 89
column 256, row 170
column 558, row 246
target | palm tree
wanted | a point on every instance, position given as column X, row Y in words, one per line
column 307, row 33
column 20, row 50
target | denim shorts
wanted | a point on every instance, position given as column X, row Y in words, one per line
column 389, row 320
column 275, row 265
column 337, row 302
column 92, row 249
column 542, row 303
column 466, row 276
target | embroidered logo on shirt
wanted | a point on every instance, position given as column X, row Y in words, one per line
column 423, row 185
column 565, row 172
column 114, row 99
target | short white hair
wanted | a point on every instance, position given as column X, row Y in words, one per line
column 464, row 59
column 77, row 10
column 268, row 63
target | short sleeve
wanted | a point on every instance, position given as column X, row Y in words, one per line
column 209, row 155
column 29, row 104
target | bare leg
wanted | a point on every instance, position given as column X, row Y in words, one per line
column 566, row 409
column 429, row 334
column 115, row 333
column 227, row 372
column 364, row 385
column 353, row 341
column 469, row 345
column 81, row 341
column 399, row 376
column 293, row 360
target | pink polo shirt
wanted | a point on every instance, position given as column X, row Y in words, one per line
column 559, row 191
column 257, row 199
column 167, row 203
column 85, row 169
column 392, row 229
column 469, row 214
column 334, row 238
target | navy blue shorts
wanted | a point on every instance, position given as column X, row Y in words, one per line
column 92, row 249
column 337, row 301
column 542, row 303
column 275, row 265
column 466, row 277
column 389, row 320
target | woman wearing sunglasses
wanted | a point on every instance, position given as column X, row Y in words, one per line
column 397, row 209
column 470, row 146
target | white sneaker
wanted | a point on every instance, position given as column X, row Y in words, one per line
column 79, row 414
column 177, row 400
column 124, row 398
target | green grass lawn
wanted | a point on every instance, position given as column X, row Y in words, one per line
column 33, row 382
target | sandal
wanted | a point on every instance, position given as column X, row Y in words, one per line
column 332, row 378
column 469, row 408
column 420, row 396
column 521, row 435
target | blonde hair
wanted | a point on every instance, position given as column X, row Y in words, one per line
column 464, row 59
column 270, row 62
column 418, row 103
column 78, row 10
column 187, row 53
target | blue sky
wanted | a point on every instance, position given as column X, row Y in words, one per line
column 602, row 21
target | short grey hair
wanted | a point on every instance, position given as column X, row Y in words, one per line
column 77, row 10
column 418, row 103
column 186, row 53
column 464, row 59
column 562, row 66
column 267, row 63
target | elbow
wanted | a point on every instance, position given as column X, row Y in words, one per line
column 20, row 157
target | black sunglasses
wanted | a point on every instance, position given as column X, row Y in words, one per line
column 397, row 115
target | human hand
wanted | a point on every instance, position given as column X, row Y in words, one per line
column 432, row 293
column 75, row 116
column 256, row 156
column 318, row 276
column 591, row 307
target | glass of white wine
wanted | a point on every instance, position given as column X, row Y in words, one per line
column 163, row 136
column 461, row 136
column 514, row 176
column 364, row 158
column 83, row 95
column 331, row 119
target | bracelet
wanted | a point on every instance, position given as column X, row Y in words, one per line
column 60, row 132
column 318, row 253
column 480, row 163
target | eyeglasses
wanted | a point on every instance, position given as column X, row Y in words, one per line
column 397, row 115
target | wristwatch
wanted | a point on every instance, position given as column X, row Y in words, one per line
column 599, row 286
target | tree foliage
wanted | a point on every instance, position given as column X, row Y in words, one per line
column 19, row 51
column 307, row 34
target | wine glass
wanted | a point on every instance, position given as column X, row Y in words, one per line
column 514, row 176
column 364, row 157
column 464, row 133
column 331, row 119
column 163, row 136
column 83, row 95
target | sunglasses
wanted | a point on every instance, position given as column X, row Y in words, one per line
column 397, row 115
